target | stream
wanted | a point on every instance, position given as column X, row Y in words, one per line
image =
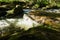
column 25, row 22
column 48, row 10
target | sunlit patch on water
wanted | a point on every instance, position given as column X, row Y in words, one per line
column 24, row 23
column 3, row 24
column 11, row 20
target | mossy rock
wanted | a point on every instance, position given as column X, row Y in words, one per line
column 37, row 33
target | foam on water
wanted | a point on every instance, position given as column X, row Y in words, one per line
column 24, row 23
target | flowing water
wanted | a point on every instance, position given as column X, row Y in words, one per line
column 24, row 23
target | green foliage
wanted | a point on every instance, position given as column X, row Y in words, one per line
column 42, row 1
column 36, row 6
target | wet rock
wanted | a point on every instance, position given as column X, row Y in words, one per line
column 44, row 19
column 18, row 11
column 3, row 12
column 19, row 3
column 37, row 33
column 3, row 9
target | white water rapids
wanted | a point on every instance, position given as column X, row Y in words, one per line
column 24, row 23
